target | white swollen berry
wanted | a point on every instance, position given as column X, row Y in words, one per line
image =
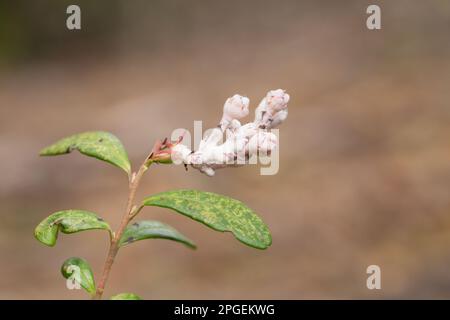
column 242, row 141
column 236, row 107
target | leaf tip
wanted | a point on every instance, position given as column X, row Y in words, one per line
column 42, row 240
column 43, row 152
column 192, row 246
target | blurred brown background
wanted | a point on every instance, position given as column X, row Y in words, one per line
column 365, row 154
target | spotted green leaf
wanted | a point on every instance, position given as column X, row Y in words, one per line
column 98, row 144
column 218, row 212
column 152, row 230
column 125, row 296
column 67, row 221
column 80, row 273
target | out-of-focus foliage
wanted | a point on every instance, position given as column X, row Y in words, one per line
column 32, row 30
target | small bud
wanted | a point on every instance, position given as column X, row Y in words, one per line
column 162, row 151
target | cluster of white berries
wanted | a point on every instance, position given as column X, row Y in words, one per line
column 242, row 141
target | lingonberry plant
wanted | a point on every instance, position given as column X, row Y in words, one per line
column 218, row 212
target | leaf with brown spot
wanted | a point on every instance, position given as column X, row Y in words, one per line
column 85, row 275
column 98, row 144
column 149, row 229
column 218, row 212
column 67, row 221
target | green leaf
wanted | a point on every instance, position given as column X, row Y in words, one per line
column 79, row 270
column 125, row 296
column 68, row 221
column 101, row 145
column 152, row 230
column 217, row 212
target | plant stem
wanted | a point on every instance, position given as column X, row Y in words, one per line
column 129, row 215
